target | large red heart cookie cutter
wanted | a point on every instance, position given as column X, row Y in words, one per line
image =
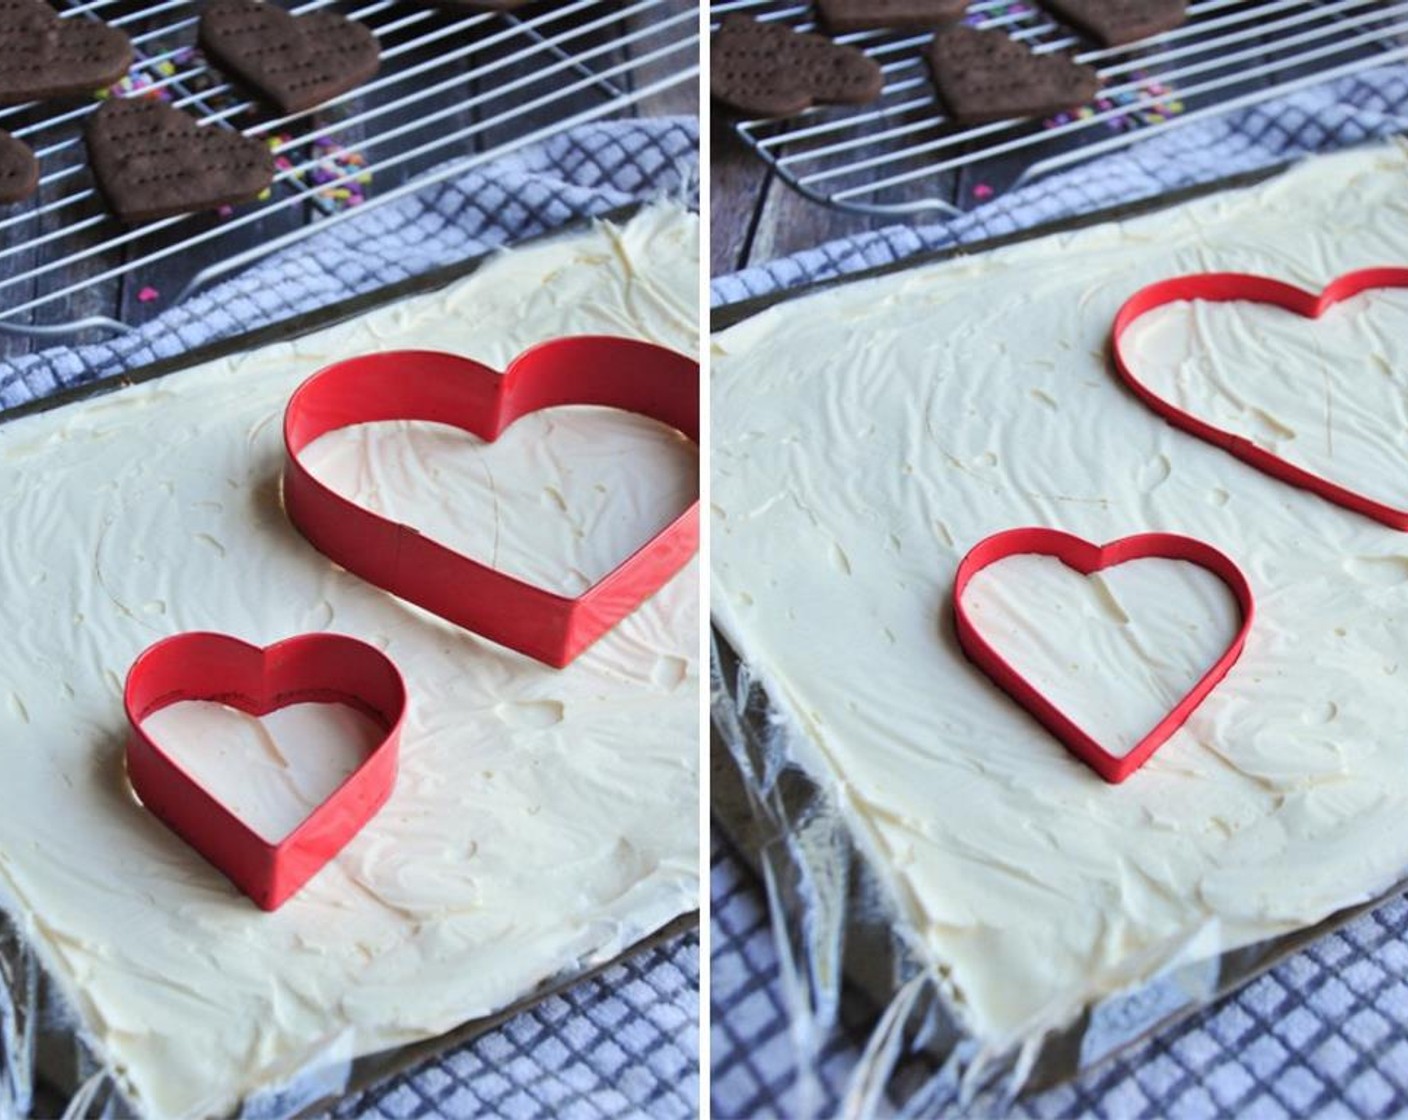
column 306, row 669
column 1233, row 287
column 427, row 385
column 1087, row 559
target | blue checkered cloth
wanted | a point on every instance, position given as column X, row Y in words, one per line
column 582, row 173
column 1325, row 1034
column 626, row 1043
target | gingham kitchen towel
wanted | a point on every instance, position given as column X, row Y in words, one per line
column 587, row 171
column 1326, row 1033
column 1350, row 111
column 625, row 1044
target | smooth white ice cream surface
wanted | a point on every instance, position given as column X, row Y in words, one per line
column 542, row 819
column 865, row 438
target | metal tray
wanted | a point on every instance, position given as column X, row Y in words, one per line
column 61, row 1070
column 778, row 817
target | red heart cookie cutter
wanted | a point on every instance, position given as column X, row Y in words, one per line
column 305, row 669
column 1232, row 287
column 1087, row 559
column 427, row 385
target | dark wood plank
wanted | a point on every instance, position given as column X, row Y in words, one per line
column 94, row 298
column 737, row 182
column 398, row 108
column 758, row 216
column 681, row 98
column 788, row 222
column 498, row 101
column 17, row 286
column 785, row 221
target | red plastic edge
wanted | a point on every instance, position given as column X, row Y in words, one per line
column 446, row 388
column 216, row 667
column 1228, row 287
column 1087, row 559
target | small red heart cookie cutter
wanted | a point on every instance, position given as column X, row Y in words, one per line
column 427, row 385
column 308, row 668
column 1232, row 287
column 1087, row 559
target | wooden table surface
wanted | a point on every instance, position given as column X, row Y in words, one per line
column 86, row 224
column 756, row 217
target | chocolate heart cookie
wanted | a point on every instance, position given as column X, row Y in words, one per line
column 988, row 76
column 43, row 56
column 1116, row 23
column 841, row 16
column 152, row 161
column 19, row 170
column 297, row 62
column 769, row 70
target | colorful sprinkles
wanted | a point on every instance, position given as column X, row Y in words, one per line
column 328, row 163
column 1166, row 105
column 337, row 162
column 317, row 165
column 999, row 11
column 155, row 80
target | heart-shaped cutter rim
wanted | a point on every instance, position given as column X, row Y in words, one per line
column 201, row 665
column 1088, row 559
column 431, row 385
column 1241, row 287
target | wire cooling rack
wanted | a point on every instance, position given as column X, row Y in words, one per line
column 455, row 88
column 900, row 155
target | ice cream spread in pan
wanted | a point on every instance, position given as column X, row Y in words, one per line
column 866, row 437
column 541, row 819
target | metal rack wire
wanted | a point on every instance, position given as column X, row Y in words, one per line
column 900, row 155
column 456, row 88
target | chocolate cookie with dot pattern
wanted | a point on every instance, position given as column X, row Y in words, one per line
column 297, row 62
column 43, row 56
column 152, row 161
column 19, row 170
column 769, row 70
column 989, row 76
column 841, row 16
column 1117, row 23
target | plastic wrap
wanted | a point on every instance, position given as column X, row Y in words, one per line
column 50, row 1067
column 835, row 919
